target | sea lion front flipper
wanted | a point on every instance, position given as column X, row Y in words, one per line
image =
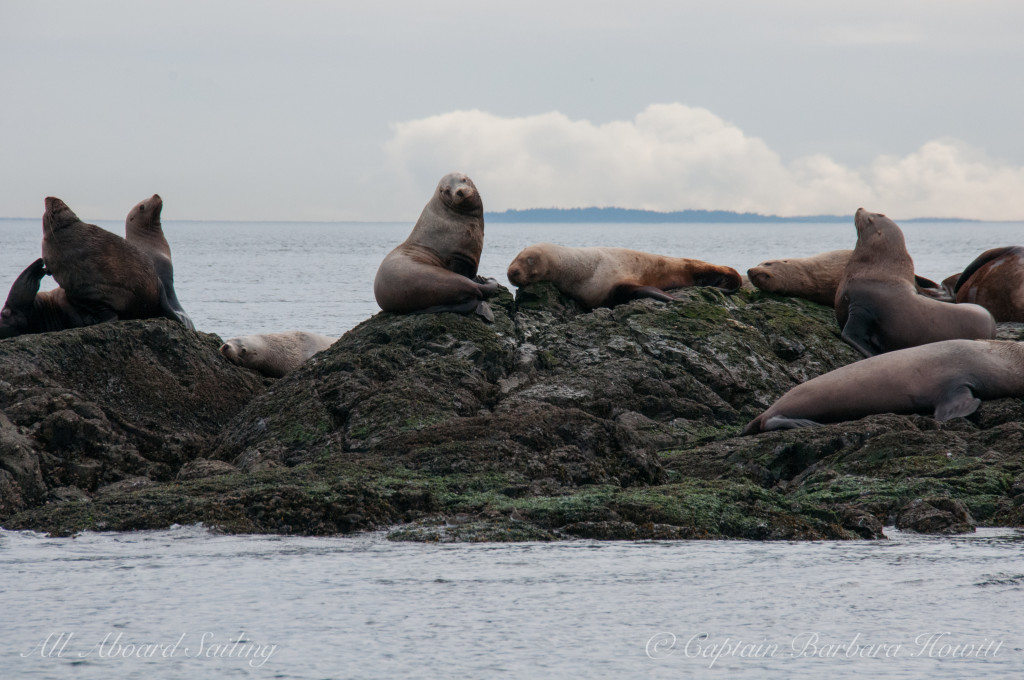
column 959, row 402
column 726, row 281
column 166, row 275
column 488, row 286
column 861, row 331
column 168, row 311
column 629, row 291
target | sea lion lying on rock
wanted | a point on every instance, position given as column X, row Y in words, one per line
column 947, row 379
column 435, row 269
column 275, row 354
column 816, row 278
column 877, row 305
column 605, row 277
column 995, row 280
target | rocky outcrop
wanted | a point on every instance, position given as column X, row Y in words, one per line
column 549, row 423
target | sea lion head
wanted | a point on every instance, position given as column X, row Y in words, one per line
column 531, row 265
column 235, row 351
column 146, row 213
column 763, row 275
column 458, row 193
column 57, row 215
column 880, row 243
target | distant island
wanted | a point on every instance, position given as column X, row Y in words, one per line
column 585, row 215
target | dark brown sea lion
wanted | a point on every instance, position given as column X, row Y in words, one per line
column 817, row 277
column 142, row 229
column 103, row 276
column 435, row 269
column 877, row 305
column 605, row 277
column 995, row 280
column 275, row 354
column 29, row 311
column 947, row 379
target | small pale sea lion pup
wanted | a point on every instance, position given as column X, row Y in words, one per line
column 275, row 354
column 605, row 277
column 103, row 276
column 995, row 280
column 947, row 379
column 877, row 305
column 816, row 278
column 142, row 228
column 435, row 268
column 29, row 311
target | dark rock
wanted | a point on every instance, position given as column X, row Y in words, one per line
column 935, row 516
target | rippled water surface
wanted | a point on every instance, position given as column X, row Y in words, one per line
column 236, row 278
column 909, row 607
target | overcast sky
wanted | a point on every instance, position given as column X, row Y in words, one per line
column 329, row 110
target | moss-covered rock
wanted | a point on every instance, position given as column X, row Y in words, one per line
column 549, row 423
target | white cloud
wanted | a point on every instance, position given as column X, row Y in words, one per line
column 675, row 157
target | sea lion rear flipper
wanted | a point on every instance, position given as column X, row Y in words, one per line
column 959, row 402
column 861, row 331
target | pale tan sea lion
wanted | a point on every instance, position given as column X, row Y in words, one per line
column 995, row 280
column 435, row 268
column 817, row 277
column 605, row 277
column 103, row 276
column 142, row 228
column 275, row 354
column 947, row 379
column 877, row 305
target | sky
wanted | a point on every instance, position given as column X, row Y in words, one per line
column 337, row 110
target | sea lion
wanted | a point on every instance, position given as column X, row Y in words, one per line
column 435, row 268
column 29, row 311
column 605, row 277
column 948, row 379
column 142, row 229
column 995, row 280
column 103, row 276
column 816, row 278
column 877, row 305
column 275, row 354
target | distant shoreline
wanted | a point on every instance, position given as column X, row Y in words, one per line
column 627, row 215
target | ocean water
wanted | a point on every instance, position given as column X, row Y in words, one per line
column 187, row 603
column 237, row 278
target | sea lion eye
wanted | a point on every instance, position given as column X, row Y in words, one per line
column 531, row 261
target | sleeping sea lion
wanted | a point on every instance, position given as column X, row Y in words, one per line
column 948, row 379
column 103, row 276
column 275, row 354
column 435, row 268
column 816, row 278
column 995, row 280
column 605, row 277
column 142, row 229
column 877, row 305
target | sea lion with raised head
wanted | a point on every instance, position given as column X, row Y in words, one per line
column 816, row 278
column 275, row 354
column 995, row 280
column 605, row 277
column 29, row 311
column 877, row 305
column 947, row 379
column 142, row 228
column 103, row 276
column 435, row 268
